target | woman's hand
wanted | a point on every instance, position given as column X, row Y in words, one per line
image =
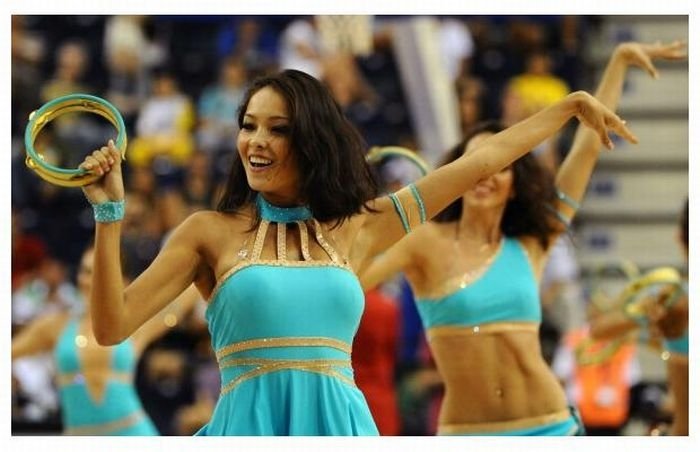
column 106, row 162
column 592, row 113
column 642, row 55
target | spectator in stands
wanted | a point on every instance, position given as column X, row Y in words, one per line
column 375, row 352
column 217, row 108
column 164, row 125
column 600, row 388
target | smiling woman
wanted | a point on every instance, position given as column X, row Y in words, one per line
column 284, row 306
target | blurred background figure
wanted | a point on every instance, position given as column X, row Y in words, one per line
column 218, row 106
column 164, row 124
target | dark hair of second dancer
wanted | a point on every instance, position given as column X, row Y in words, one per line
column 336, row 181
column 526, row 213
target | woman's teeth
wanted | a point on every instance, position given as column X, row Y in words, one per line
column 259, row 162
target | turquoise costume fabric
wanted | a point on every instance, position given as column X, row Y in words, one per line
column 119, row 412
column 506, row 292
column 282, row 331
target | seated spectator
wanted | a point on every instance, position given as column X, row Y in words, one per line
column 218, row 107
column 164, row 125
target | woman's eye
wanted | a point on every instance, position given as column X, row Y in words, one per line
column 282, row 130
column 248, row 126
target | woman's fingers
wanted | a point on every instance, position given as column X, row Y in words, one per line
column 102, row 160
column 674, row 51
column 646, row 63
column 617, row 125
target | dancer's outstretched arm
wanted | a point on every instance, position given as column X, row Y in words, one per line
column 447, row 183
column 575, row 172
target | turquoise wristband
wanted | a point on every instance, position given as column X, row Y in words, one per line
column 108, row 212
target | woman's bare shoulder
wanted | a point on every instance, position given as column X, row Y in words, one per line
column 210, row 222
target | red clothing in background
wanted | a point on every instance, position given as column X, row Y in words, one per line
column 374, row 356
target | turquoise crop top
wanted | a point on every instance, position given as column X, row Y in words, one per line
column 506, row 291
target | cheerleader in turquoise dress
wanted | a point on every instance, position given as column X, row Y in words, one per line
column 298, row 219
column 95, row 383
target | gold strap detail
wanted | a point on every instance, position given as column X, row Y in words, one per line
column 458, row 282
column 476, row 330
column 304, row 235
column 281, row 241
column 264, row 366
column 107, row 428
column 270, row 342
column 324, row 244
column 502, row 426
column 260, row 239
column 272, row 263
column 64, row 379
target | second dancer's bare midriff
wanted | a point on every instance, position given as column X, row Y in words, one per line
column 495, row 377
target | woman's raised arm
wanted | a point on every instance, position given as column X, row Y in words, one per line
column 432, row 193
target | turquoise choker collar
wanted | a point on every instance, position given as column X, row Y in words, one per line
column 281, row 214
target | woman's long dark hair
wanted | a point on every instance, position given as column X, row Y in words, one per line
column 336, row 181
column 526, row 213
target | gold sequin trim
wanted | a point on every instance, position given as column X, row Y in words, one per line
column 273, row 263
column 319, row 366
column 260, row 239
column 324, row 244
column 304, row 235
column 502, row 426
column 269, row 342
column 455, row 283
column 475, row 330
column 106, row 428
column 65, row 378
column 281, row 241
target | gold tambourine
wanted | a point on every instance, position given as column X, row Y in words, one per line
column 66, row 104
column 662, row 278
column 377, row 154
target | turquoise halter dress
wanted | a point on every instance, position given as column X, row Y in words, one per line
column 282, row 331
column 119, row 412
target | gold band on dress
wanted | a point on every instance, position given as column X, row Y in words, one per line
column 504, row 426
column 476, row 330
column 264, row 366
column 106, row 428
column 65, row 378
column 270, row 342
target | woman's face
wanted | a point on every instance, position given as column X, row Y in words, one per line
column 265, row 148
column 494, row 191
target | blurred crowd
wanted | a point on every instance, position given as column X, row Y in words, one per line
column 178, row 81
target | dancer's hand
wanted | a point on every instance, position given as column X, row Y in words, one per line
column 106, row 162
column 642, row 55
column 592, row 113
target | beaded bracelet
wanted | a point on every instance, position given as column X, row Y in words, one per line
column 109, row 211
